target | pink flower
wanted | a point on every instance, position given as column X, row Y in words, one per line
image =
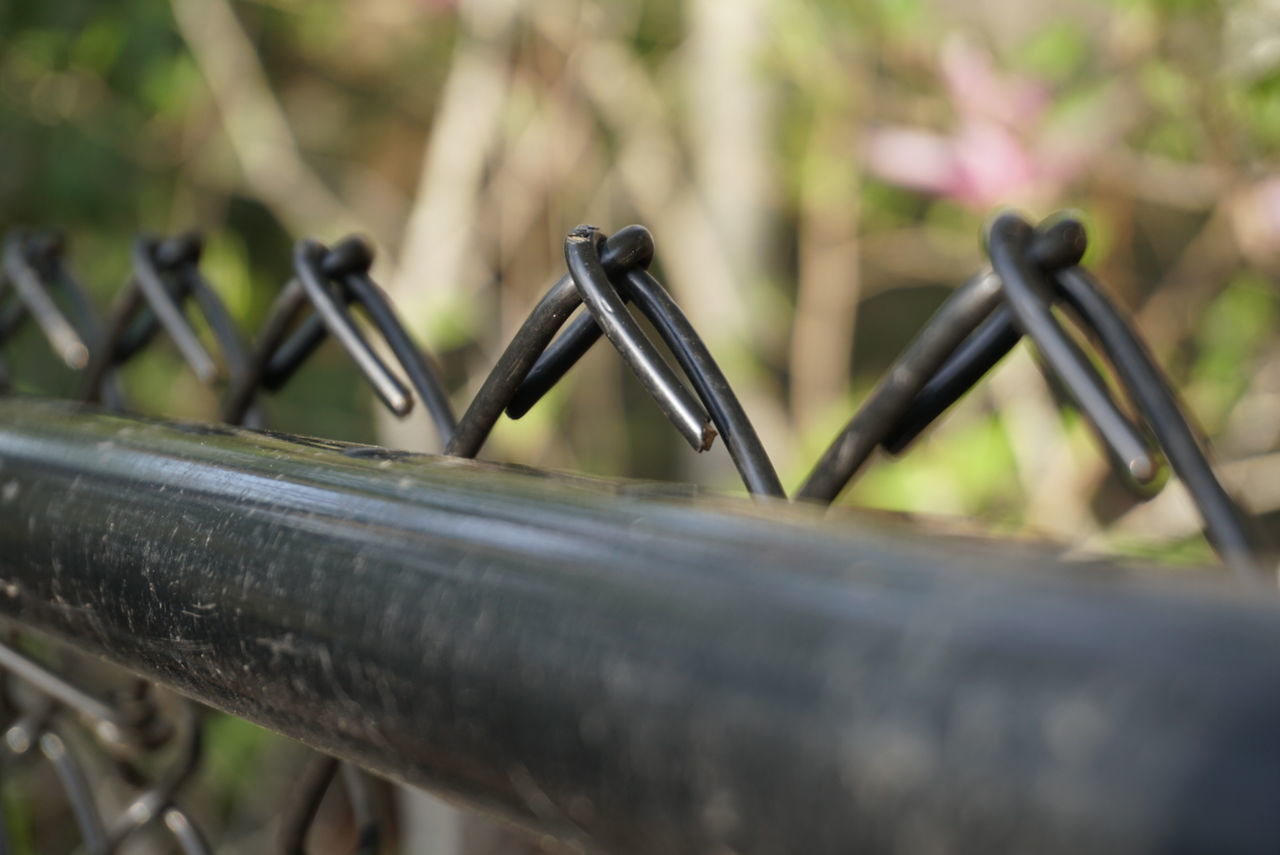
column 996, row 152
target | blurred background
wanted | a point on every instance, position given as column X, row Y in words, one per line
column 815, row 174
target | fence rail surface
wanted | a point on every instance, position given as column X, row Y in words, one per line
column 642, row 670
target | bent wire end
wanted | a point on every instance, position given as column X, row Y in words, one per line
column 58, row 331
column 149, row 280
column 678, row 404
column 1029, row 295
column 308, row 262
column 629, row 247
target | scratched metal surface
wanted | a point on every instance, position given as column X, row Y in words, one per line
column 643, row 671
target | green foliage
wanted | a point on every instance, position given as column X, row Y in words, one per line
column 1238, row 324
column 1057, row 52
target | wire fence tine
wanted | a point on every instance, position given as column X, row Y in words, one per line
column 740, row 437
column 307, row 258
column 1030, row 297
column 59, row 332
column 1226, row 526
column 941, row 340
column 682, row 409
column 74, row 783
column 424, row 377
column 876, row 418
column 288, row 306
column 631, row 245
column 149, row 282
column 1061, row 244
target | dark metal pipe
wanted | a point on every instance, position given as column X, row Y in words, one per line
column 642, row 670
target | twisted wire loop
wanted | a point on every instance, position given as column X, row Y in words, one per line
column 165, row 276
column 607, row 316
column 330, row 280
column 1033, row 272
column 630, row 246
column 35, row 269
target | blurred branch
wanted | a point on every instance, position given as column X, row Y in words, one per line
column 1184, row 186
column 440, row 257
column 1199, row 275
column 731, row 111
column 438, row 249
column 273, row 168
column 829, row 285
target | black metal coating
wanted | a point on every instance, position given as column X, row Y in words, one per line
column 304, row 806
column 70, row 772
column 1030, row 296
column 307, row 258
column 681, row 407
column 876, row 418
column 149, row 280
column 423, row 377
column 976, row 355
column 329, row 279
column 174, row 253
column 628, row 246
column 349, row 255
column 642, row 672
column 293, row 352
column 696, row 361
column 119, row 327
column 904, row 395
column 730, row 420
column 563, row 353
column 58, row 331
column 1225, row 526
column 33, row 260
column 165, row 274
column 315, row 783
column 285, row 311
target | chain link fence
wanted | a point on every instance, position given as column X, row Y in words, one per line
column 149, row 740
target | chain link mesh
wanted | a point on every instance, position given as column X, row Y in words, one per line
column 151, row 740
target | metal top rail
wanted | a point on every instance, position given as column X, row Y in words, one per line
column 640, row 669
